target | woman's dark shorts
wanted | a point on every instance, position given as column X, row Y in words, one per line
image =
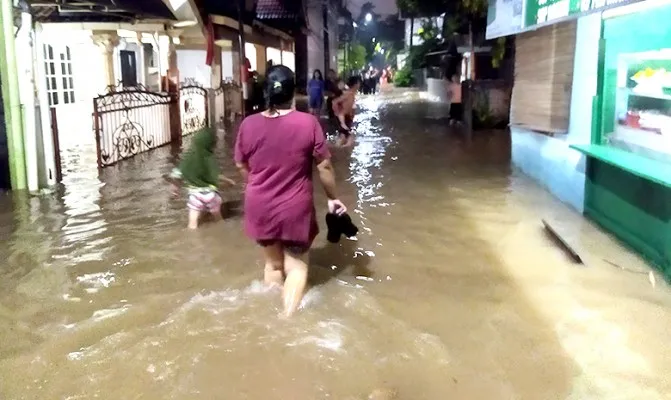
column 291, row 247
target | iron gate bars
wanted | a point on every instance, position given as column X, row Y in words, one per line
column 129, row 121
column 223, row 101
column 193, row 100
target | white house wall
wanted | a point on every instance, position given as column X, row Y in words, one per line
column 227, row 64
column 75, row 119
column 191, row 64
column 549, row 160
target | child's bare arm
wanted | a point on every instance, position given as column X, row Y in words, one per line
column 225, row 179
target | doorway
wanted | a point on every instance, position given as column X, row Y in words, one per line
column 128, row 68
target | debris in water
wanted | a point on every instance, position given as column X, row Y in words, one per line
column 364, row 278
column 633, row 271
column 564, row 244
column 651, row 278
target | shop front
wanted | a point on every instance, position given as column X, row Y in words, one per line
column 628, row 175
column 600, row 140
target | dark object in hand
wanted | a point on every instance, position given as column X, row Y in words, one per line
column 339, row 225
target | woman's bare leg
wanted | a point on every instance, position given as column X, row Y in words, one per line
column 194, row 216
column 296, row 270
column 273, row 272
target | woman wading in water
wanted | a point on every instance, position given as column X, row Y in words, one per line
column 275, row 152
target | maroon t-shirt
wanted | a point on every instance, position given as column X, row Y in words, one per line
column 280, row 153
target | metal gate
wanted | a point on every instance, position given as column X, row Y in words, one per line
column 224, row 97
column 128, row 121
column 193, row 106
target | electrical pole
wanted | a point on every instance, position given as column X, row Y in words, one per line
column 243, row 62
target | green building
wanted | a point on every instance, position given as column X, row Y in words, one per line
column 591, row 111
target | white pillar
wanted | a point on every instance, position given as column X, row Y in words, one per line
column 48, row 173
column 24, row 53
column 107, row 41
column 141, row 62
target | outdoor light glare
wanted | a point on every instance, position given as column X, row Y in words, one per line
column 369, row 17
column 354, row 24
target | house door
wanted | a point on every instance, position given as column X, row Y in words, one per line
column 128, row 68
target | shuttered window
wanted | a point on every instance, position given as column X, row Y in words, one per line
column 541, row 96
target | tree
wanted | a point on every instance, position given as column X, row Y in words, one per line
column 461, row 17
column 356, row 56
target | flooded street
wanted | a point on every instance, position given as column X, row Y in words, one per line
column 453, row 290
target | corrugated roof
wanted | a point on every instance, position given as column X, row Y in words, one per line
column 278, row 9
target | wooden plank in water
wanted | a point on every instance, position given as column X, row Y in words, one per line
column 564, row 244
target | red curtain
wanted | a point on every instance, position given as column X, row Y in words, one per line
column 209, row 57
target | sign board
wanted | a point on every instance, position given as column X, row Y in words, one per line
column 539, row 12
column 507, row 17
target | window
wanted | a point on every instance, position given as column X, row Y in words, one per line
column 50, row 72
column 642, row 102
column 636, row 93
column 58, row 73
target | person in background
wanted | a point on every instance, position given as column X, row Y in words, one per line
column 275, row 151
column 316, row 88
column 334, row 89
column 343, row 107
column 198, row 170
column 454, row 94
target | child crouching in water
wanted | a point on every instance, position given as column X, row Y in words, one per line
column 343, row 108
column 199, row 172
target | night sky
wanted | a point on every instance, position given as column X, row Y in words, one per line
column 381, row 6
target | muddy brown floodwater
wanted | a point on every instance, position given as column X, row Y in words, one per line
column 452, row 290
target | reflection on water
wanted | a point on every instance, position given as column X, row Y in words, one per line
column 450, row 291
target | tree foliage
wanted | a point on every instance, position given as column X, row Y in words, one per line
column 461, row 17
column 356, row 56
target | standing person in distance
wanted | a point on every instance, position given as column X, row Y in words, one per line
column 316, row 88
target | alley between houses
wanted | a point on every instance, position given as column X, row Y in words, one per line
column 453, row 290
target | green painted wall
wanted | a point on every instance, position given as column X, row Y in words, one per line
column 636, row 210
